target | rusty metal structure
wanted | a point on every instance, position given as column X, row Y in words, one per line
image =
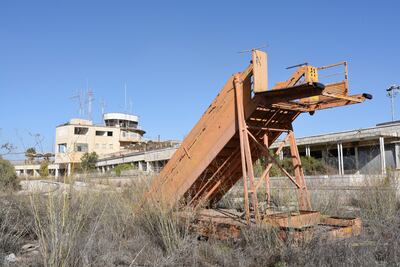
column 237, row 129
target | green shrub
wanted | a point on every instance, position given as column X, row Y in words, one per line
column 311, row 166
column 122, row 167
column 44, row 169
column 88, row 161
column 8, row 177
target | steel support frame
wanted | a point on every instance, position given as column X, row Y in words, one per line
column 245, row 153
column 250, row 194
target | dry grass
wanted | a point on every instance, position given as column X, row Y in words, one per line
column 107, row 228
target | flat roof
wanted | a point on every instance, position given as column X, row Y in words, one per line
column 120, row 116
column 389, row 129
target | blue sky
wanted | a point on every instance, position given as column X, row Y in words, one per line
column 175, row 56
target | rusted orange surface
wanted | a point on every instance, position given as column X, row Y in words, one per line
column 236, row 130
column 208, row 163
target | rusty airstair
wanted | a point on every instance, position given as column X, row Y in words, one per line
column 238, row 128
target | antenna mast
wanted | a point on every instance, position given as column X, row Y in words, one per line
column 79, row 97
column 103, row 106
column 89, row 101
column 125, row 100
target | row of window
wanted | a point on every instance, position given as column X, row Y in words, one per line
column 85, row 130
column 121, row 123
column 82, row 147
column 129, row 134
column 104, row 146
column 104, row 133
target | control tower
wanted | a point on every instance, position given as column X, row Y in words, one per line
column 130, row 131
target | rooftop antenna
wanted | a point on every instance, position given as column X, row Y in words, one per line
column 90, row 99
column 79, row 97
column 392, row 92
column 125, row 100
column 103, row 106
column 82, row 102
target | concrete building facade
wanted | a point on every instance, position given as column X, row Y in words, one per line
column 147, row 161
column 79, row 136
column 371, row 150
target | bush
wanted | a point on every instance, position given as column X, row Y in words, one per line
column 44, row 169
column 88, row 227
column 16, row 224
column 88, row 161
column 311, row 166
column 122, row 167
column 8, row 177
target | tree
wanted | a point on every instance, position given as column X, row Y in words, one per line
column 88, row 161
column 8, row 147
column 8, row 177
column 44, row 169
column 30, row 153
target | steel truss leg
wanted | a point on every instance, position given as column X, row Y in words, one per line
column 303, row 196
column 298, row 180
column 247, row 162
column 266, row 176
column 245, row 152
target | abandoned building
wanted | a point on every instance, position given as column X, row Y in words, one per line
column 78, row 136
column 371, row 150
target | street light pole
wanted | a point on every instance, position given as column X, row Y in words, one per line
column 392, row 91
column 392, row 100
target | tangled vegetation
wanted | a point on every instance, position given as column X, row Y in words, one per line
column 116, row 228
column 8, row 177
column 310, row 165
column 122, row 167
column 88, row 161
column 44, row 169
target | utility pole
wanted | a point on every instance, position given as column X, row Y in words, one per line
column 392, row 91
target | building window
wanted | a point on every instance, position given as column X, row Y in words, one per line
column 100, row 133
column 81, row 130
column 104, row 146
column 81, row 147
column 109, row 133
column 97, row 146
column 62, row 148
column 110, row 146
